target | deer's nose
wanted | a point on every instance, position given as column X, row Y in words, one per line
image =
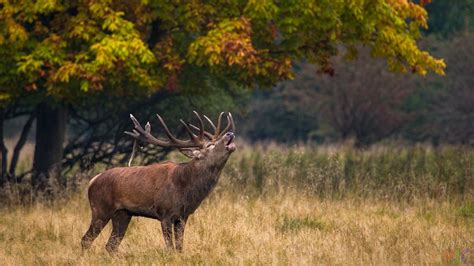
column 229, row 134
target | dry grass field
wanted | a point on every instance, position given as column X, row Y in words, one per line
column 282, row 206
column 286, row 229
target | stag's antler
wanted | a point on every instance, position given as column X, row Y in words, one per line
column 145, row 134
column 217, row 129
column 195, row 141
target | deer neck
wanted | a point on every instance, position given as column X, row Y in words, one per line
column 196, row 181
column 205, row 170
column 199, row 176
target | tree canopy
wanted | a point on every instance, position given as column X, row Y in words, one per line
column 66, row 48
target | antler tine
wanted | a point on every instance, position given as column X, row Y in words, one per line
column 136, row 134
column 230, row 125
column 144, row 134
column 218, row 127
column 135, row 122
column 201, row 126
column 207, row 134
column 194, row 142
column 210, row 122
column 133, row 134
column 148, row 127
column 167, row 131
column 188, row 129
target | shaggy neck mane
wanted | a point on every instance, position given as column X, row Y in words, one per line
column 197, row 175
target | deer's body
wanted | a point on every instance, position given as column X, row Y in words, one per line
column 167, row 191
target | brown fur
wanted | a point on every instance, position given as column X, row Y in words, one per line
column 167, row 191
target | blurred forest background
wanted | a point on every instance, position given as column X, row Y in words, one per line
column 360, row 101
column 365, row 102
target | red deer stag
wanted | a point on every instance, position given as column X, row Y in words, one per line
column 166, row 191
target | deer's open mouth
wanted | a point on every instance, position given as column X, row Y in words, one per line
column 230, row 145
column 231, row 138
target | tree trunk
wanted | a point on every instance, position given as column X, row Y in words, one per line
column 50, row 134
column 21, row 142
column 3, row 151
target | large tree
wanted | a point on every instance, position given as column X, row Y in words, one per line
column 62, row 51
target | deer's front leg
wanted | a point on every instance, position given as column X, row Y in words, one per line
column 167, row 228
column 179, row 226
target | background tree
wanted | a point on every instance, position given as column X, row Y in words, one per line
column 447, row 112
column 285, row 114
column 363, row 100
column 64, row 51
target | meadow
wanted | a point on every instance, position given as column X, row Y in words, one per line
column 279, row 205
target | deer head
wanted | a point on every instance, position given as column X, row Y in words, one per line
column 201, row 145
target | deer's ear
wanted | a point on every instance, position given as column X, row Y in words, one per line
column 187, row 152
column 191, row 153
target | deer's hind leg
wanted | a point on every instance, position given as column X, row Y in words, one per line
column 98, row 223
column 120, row 222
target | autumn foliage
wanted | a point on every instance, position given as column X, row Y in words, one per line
column 70, row 46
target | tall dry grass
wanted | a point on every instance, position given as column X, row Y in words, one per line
column 279, row 205
column 235, row 229
column 390, row 172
